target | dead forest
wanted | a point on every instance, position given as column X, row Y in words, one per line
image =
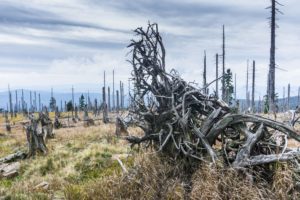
column 162, row 138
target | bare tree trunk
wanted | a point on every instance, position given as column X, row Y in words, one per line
column 223, row 65
column 121, row 95
column 105, row 114
column 10, row 103
column 204, row 73
column 288, row 98
column 61, row 105
column 247, row 86
column 35, row 139
column 235, row 87
column 217, row 76
column 113, row 94
column 253, row 88
column 118, row 105
column 73, row 102
column 23, row 103
column 271, row 77
column 40, row 102
column 16, row 107
column 283, row 100
column 108, row 98
column 35, row 102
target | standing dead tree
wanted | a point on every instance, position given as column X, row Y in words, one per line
column 104, row 106
column 253, row 88
column 247, row 87
column 217, row 76
column 223, row 64
column 272, row 66
column 182, row 122
column 113, row 92
column 288, row 96
column 10, row 103
column 204, row 73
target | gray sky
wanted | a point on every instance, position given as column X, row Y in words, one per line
column 61, row 43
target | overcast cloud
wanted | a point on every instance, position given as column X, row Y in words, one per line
column 55, row 43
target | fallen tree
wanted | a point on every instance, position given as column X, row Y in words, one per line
column 178, row 119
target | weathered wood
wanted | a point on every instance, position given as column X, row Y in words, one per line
column 36, row 135
column 13, row 157
column 180, row 121
column 9, row 170
column 244, row 152
column 120, row 127
column 265, row 159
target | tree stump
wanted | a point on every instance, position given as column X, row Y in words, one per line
column 35, row 138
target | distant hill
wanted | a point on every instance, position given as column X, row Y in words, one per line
column 293, row 102
column 45, row 97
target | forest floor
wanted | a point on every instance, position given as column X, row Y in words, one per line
column 78, row 159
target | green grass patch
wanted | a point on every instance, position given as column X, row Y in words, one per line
column 47, row 167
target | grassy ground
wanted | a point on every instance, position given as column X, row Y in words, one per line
column 76, row 157
column 81, row 164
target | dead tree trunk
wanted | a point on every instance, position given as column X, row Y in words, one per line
column 121, row 96
column 23, row 103
column 180, row 121
column 113, row 93
column 73, row 102
column 35, row 137
column 204, row 73
column 46, row 125
column 271, row 75
column 283, row 100
column 76, row 113
column 104, row 105
column 253, row 88
column 30, row 97
column 35, row 102
column 223, row 66
column 288, row 97
column 247, row 87
column 235, row 87
column 40, row 103
column 120, row 127
column 10, row 103
column 108, row 99
column 17, row 101
column 217, row 76
column 129, row 94
column 118, row 102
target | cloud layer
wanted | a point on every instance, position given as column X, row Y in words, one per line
column 54, row 43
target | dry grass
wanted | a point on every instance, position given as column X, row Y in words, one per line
column 76, row 156
column 80, row 165
column 149, row 178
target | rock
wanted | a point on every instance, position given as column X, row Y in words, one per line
column 43, row 185
column 9, row 170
